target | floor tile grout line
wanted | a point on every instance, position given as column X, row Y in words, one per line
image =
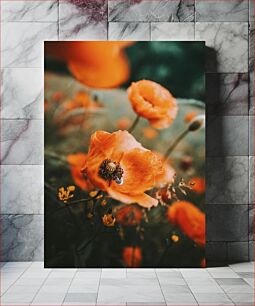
column 15, row 280
column 98, row 287
column 40, row 288
column 189, row 287
column 69, row 286
column 160, row 286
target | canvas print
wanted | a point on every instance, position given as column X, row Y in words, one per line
column 124, row 154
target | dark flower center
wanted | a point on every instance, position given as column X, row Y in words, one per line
column 111, row 171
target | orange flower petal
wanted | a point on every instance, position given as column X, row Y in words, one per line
column 190, row 220
column 140, row 167
column 77, row 161
column 153, row 102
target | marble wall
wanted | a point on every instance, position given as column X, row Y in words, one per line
column 228, row 29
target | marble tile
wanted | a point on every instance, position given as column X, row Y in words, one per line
column 23, row 10
column 251, row 69
column 227, row 222
column 22, row 93
column 22, row 142
column 251, row 222
column 227, row 135
column 22, row 189
column 241, row 299
column 242, row 267
column 23, row 43
column 227, row 180
column 44, row 298
column 227, row 42
column 251, row 10
column 227, row 93
column 251, row 135
column 234, row 10
column 215, row 252
column 81, row 297
column 238, row 251
column 151, row 10
column 213, row 299
column 180, row 299
column 128, row 31
column 83, row 20
column 177, row 31
column 251, row 250
column 222, row 272
column 251, row 93
column 22, row 237
column 251, row 181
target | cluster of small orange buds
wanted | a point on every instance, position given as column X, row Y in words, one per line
column 65, row 194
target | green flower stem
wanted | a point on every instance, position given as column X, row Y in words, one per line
column 71, row 203
column 54, row 155
column 175, row 143
column 133, row 126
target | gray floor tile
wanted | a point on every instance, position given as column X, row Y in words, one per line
column 230, row 281
column 242, row 299
column 81, row 297
column 213, row 299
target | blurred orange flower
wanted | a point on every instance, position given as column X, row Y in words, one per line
column 198, row 184
column 119, row 165
column 72, row 112
column 190, row 219
column 129, row 215
column 150, row 133
column 123, row 123
column 81, row 99
column 166, row 176
column 190, row 116
column 97, row 64
column 77, row 161
column 153, row 102
column 203, row 263
column 132, row 256
column 57, row 96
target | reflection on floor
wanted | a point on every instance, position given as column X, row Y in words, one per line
column 28, row 283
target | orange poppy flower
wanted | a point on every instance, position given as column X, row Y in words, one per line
column 166, row 176
column 97, row 64
column 198, row 184
column 57, row 96
column 72, row 111
column 190, row 116
column 119, row 165
column 123, row 123
column 129, row 215
column 203, row 263
column 77, row 161
column 190, row 220
column 132, row 256
column 150, row 133
column 153, row 102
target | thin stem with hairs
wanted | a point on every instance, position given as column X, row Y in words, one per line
column 175, row 143
column 134, row 124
